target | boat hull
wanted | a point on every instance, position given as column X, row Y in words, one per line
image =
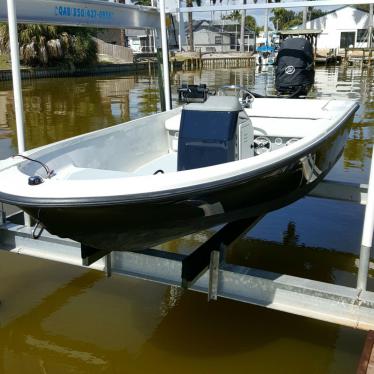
column 136, row 224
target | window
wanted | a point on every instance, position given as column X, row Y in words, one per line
column 347, row 39
column 362, row 35
column 218, row 39
column 232, row 41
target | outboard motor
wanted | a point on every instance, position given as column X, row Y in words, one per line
column 214, row 132
column 294, row 73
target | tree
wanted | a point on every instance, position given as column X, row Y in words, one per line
column 316, row 13
column 190, row 26
column 250, row 21
column 242, row 27
column 234, row 15
column 312, row 13
column 52, row 45
column 143, row 2
column 283, row 18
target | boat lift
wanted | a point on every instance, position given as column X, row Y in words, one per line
column 203, row 270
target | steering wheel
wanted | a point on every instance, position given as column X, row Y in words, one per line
column 244, row 96
column 262, row 144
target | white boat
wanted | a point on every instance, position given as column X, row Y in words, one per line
column 160, row 177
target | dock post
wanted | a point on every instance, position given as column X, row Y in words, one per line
column 108, row 265
column 2, row 215
column 367, row 233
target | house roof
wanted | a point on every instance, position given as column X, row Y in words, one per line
column 299, row 32
column 215, row 26
column 135, row 32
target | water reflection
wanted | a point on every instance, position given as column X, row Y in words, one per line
column 62, row 108
column 92, row 324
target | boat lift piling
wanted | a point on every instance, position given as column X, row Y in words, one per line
column 367, row 233
column 16, row 75
column 17, row 85
column 205, row 269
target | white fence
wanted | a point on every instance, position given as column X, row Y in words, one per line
column 113, row 50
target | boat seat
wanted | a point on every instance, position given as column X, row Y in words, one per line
column 172, row 126
column 173, row 123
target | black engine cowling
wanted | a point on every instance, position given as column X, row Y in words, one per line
column 295, row 67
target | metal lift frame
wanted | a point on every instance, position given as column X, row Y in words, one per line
column 204, row 270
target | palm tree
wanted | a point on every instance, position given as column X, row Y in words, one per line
column 242, row 26
column 307, row 11
column 190, row 26
column 266, row 28
column 189, row 3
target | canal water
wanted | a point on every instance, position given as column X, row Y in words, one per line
column 56, row 318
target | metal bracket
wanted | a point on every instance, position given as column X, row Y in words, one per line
column 194, row 265
column 108, row 265
column 90, row 255
column 213, row 275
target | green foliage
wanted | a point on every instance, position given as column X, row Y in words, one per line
column 234, row 15
column 4, row 61
column 250, row 21
column 27, row 32
column 43, row 45
column 83, row 51
column 4, row 38
column 284, row 19
column 143, row 2
column 364, row 7
column 316, row 13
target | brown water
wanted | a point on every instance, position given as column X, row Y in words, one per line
column 56, row 318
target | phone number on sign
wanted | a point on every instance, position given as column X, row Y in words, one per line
column 65, row 11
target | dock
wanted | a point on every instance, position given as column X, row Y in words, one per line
column 197, row 60
column 361, row 56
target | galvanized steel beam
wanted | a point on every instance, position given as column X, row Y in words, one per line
column 323, row 301
column 343, row 191
column 367, row 233
column 87, row 13
column 266, row 5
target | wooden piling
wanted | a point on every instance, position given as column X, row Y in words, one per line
column 366, row 363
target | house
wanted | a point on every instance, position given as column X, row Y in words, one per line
column 137, row 40
column 342, row 28
column 220, row 36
